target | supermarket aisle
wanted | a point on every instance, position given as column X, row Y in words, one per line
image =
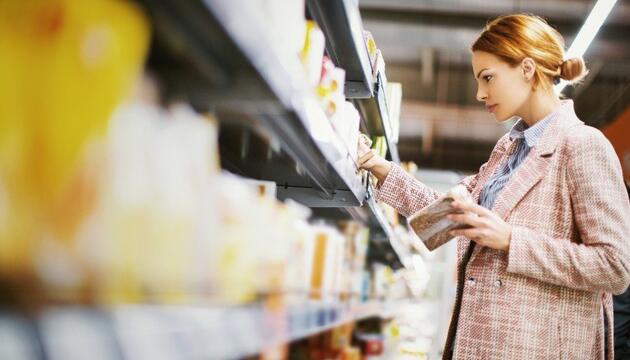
column 179, row 181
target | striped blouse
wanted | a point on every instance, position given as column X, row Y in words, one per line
column 526, row 139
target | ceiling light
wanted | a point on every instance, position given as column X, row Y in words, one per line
column 587, row 33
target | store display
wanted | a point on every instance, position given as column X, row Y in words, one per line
column 350, row 353
column 383, row 278
column 118, row 224
column 431, row 224
column 371, row 344
column 330, row 89
column 409, row 166
column 380, row 145
column 413, row 351
column 347, row 124
column 365, row 140
column 340, row 340
column 47, row 142
column 370, row 44
column 312, row 54
column 417, row 329
column 390, row 214
column 285, row 22
column 393, row 93
column 379, row 68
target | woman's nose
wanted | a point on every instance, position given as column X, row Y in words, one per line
column 481, row 94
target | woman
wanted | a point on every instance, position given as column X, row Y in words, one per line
column 550, row 238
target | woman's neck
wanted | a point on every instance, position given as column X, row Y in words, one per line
column 540, row 104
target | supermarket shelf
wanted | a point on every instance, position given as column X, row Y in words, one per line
column 237, row 332
column 255, row 85
column 341, row 23
column 171, row 332
column 311, row 166
column 386, row 243
column 376, row 114
column 404, row 257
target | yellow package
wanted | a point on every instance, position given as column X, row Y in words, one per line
column 64, row 66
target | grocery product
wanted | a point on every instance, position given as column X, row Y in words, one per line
column 380, row 145
column 347, row 126
column 393, row 92
column 383, row 278
column 330, row 89
column 371, row 344
column 148, row 227
column 285, row 22
column 327, row 255
column 55, row 54
column 370, row 44
column 354, row 254
column 312, row 53
column 379, row 67
column 431, row 224
column 350, row 353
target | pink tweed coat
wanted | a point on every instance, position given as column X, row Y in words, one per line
column 547, row 296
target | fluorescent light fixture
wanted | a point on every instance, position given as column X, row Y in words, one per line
column 587, row 33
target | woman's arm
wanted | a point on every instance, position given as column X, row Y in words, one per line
column 404, row 192
column 395, row 187
column 602, row 216
column 400, row 190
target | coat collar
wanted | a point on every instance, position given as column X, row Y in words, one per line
column 532, row 134
column 553, row 134
column 535, row 165
column 556, row 131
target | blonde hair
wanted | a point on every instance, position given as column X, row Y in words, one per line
column 513, row 38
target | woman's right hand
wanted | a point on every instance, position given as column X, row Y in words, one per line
column 369, row 160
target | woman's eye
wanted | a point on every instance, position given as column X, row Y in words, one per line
column 487, row 78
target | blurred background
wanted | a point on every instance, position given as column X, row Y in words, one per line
column 178, row 179
column 427, row 49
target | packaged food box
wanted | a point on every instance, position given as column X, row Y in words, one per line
column 431, row 224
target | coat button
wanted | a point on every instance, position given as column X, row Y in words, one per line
column 471, row 281
column 498, row 284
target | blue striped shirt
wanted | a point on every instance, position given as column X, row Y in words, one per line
column 526, row 138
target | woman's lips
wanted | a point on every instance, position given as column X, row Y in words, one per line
column 491, row 108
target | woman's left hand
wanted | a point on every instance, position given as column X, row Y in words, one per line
column 488, row 229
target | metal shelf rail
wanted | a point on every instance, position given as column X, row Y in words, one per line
column 170, row 332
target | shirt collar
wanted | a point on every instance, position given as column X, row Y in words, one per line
column 531, row 134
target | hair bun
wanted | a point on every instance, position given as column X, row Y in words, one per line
column 573, row 69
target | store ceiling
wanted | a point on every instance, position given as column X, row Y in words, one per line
column 425, row 45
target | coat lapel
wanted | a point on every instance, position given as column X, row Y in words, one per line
column 528, row 174
column 497, row 158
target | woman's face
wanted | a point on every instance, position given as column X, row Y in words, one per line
column 502, row 87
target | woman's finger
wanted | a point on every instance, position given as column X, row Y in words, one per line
column 471, row 207
column 468, row 218
column 363, row 149
column 366, row 157
column 368, row 165
column 474, row 233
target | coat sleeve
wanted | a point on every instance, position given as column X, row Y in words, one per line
column 408, row 195
column 404, row 193
column 600, row 261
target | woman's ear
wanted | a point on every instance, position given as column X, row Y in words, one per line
column 528, row 67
